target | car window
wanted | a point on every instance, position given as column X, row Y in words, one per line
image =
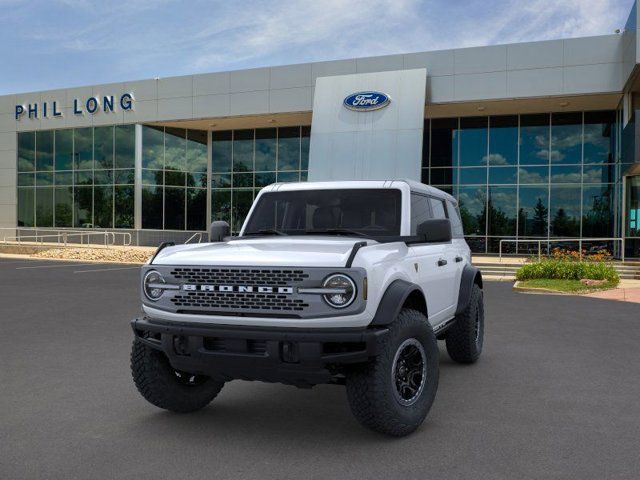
column 420, row 211
column 437, row 207
column 456, row 223
column 373, row 212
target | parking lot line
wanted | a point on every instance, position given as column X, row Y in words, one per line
column 106, row 269
column 58, row 266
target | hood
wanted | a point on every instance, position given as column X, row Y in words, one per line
column 307, row 251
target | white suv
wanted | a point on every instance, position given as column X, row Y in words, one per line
column 347, row 283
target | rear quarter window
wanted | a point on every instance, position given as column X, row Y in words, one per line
column 456, row 223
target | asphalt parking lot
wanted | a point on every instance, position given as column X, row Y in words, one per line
column 555, row 395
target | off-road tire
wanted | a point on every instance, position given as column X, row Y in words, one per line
column 464, row 342
column 371, row 388
column 158, row 382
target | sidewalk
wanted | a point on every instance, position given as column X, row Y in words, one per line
column 627, row 291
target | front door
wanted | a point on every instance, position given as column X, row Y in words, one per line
column 632, row 216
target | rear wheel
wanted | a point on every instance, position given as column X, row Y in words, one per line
column 165, row 387
column 465, row 338
column 393, row 393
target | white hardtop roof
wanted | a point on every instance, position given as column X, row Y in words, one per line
column 412, row 184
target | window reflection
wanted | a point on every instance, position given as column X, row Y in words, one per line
column 75, row 177
column 26, row 207
column 259, row 158
column 174, row 175
column 533, row 212
column 63, row 150
column 473, row 141
column 243, row 150
column 534, row 139
column 503, row 140
column 501, row 211
column 564, row 211
column 500, row 175
column 472, row 203
column 44, row 150
column 265, row 148
column 221, row 148
column 533, row 175
column 597, row 211
column 444, row 142
column 288, row 149
column 44, row 207
column 566, row 138
column 599, row 138
column 571, row 174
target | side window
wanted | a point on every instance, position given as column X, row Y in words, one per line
column 456, row 222
column 420, row 211
column 437, row 206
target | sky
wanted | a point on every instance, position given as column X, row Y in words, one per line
column 48, row 44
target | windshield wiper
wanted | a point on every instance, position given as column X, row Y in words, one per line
column 266, row 231
column 338, row 231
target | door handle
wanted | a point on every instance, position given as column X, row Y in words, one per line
column 442, row 262
column 458, row 259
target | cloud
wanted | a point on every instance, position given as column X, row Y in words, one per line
column 88, row 41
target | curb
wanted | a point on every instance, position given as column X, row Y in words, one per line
column 518, row 288
column 79, row 260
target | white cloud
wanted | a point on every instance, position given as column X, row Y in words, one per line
column 129, row 39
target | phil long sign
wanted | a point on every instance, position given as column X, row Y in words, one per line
column 91, row 105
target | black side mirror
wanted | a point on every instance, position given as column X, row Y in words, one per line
column 435, row 230
column 219, row 230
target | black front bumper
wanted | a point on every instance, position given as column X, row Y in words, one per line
column 301, row 357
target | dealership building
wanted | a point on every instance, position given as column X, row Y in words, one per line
column 537, row 141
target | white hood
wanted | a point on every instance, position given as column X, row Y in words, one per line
column 307, row 251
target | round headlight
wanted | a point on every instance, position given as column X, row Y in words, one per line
column 344, row 290
column 152, row 285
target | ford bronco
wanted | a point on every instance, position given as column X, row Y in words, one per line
column 349, row 283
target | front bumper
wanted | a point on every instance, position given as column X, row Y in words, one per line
column 292, row 356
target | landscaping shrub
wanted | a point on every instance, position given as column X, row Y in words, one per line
column 568, row 270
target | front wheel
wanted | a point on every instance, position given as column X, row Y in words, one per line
column 165, row 387
column 393, row 393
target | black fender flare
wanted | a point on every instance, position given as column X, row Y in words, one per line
column 470, row 275
column 393, row 300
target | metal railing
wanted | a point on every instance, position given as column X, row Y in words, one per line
column 82, row 238
column 198, row 235
column 547, row 241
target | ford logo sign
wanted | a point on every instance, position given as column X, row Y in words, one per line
column 366, row 101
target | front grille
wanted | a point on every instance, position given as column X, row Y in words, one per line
column 238, row 301
column 239, row 276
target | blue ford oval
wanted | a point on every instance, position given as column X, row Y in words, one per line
column 366, row 101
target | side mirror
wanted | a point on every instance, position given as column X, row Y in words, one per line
column 435, row 230
column 219, row 230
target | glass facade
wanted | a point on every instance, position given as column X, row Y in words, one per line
column 81, row 177
column 174, row 178
column 533, row 176
column 244, row 161
column 538, row 176
column 86, row 177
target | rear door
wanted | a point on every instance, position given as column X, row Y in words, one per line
column 447, row 263
column 431, row 267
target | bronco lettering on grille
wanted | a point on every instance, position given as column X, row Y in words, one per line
column 237, row 289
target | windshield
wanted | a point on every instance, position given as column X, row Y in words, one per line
column 359, row 212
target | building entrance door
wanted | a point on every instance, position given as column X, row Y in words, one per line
column 632, row 216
